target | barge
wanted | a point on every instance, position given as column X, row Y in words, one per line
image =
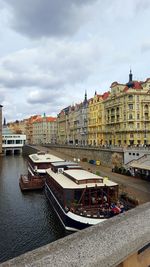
column 38, row 163
column 79, row 197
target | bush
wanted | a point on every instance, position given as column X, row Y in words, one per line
column 98, row 173
column 128, row 173
column 116, row 169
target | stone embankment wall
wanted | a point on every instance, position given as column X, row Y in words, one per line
column 27, row 150
column 103, row 155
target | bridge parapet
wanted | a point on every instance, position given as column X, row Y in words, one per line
column 121, row 241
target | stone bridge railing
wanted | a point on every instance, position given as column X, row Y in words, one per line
column 121, row 241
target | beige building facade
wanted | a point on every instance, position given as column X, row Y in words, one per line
column 45, row 130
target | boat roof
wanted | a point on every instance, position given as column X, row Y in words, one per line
column 80, row 175
column 42, row 157
column 66, row 182
column 65, row 163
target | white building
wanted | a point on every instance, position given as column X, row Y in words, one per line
column 12, row 143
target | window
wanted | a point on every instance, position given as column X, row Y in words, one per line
column 138, row 116
column 130, row 106
column 131, row 125
column 130, row 97
column 130, row 117
column 18, row 141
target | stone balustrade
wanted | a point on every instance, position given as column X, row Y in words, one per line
column 123, row 241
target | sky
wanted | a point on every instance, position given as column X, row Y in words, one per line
column 52, row 51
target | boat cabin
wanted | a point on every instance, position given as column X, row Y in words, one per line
column 39, row 162
column 81, row 191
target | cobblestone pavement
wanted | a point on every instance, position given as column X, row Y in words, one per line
column 136, row 188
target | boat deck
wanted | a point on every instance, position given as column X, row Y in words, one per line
column 98, row 211
column 27, row 183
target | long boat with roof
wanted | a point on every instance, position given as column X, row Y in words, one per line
column 79, row 197
column 37, row 165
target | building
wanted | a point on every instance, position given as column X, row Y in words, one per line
column 83, row 122
column 29, row 128
column 45, row 130
column 96, row 123
column 127, row 114
column 72, row 124
column 12, row 143
column 1, row 129
column 18, row 126
column 119, row 117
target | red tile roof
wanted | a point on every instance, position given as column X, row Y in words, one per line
column 47, row 119
column 137, row 85
column 105, row 95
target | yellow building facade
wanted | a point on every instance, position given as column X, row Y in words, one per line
column 127, row 114
column 95, row 120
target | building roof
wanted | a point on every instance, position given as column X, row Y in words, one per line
column 45, row 119
column 105, row 95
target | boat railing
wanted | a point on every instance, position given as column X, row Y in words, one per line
column 97, row 211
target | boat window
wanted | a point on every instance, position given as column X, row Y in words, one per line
column 69, row 197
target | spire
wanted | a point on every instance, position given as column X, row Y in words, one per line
column 130, row 76
column 4, row 123
column 85, row 98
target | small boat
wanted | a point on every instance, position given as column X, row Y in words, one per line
column 79, row 197
column 27, row 183
column 37, row 165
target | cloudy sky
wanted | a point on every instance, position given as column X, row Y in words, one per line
column 51, row 51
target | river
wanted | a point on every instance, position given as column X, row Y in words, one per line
column 27, row 221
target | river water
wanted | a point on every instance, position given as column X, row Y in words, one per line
column 27, row 221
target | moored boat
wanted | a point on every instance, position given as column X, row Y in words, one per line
column 27, row 183
column 37, row 165
column 79, row 197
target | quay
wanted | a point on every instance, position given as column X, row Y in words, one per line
column 123, row 241
column 138, row 188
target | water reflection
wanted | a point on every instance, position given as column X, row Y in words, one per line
column 27, row 220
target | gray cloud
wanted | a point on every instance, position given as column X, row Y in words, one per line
column 46, row 74
column 142, row 5
column 38, row 18
column 43, row 96
column 68, row 64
